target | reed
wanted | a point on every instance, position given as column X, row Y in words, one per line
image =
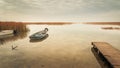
column 18, row 26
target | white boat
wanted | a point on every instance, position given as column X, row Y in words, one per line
column 5, row 33
column 39, row 35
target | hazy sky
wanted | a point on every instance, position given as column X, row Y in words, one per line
column 60, row 10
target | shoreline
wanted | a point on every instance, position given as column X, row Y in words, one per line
column 103, row 23
column 63, row 23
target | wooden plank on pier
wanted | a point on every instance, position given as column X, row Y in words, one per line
column 111, row 54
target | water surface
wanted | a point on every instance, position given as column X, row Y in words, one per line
column 67, row 46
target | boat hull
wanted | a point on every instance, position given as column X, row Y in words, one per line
column 38, row 38
column 6, row 33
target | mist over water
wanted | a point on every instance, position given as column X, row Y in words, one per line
column 67, row 46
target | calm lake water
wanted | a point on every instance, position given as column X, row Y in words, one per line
column 67, row 46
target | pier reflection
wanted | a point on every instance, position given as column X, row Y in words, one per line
column 39, row 40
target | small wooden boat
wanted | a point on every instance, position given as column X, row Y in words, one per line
column 39, row 35
column 38, row 40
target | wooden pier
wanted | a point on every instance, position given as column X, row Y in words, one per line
column 111, row 54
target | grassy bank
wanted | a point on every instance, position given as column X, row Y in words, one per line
column 18, row 26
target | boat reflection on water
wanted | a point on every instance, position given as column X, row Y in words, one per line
column 13, row 37
column 5, row 39
column 39, row 40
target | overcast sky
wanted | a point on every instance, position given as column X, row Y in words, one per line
column 60, row 10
